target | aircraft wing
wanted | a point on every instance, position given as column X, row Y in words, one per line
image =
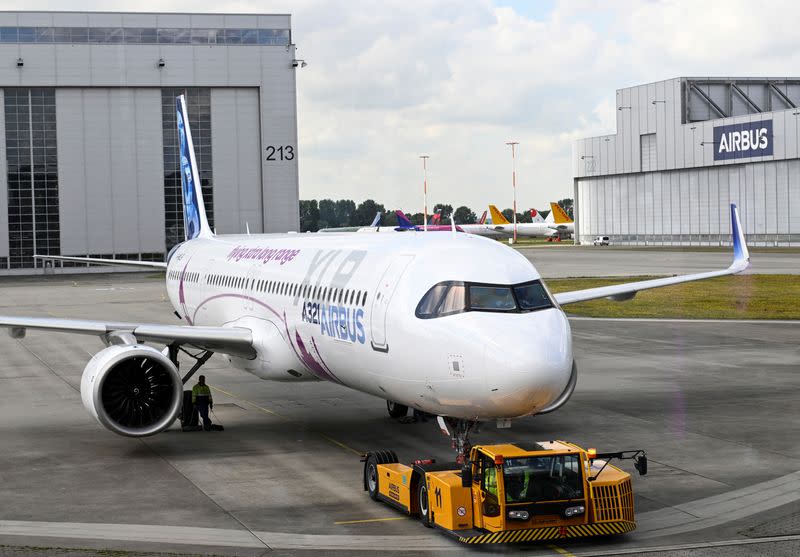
column 229, row 340
column 99, row 261
column 620, row 292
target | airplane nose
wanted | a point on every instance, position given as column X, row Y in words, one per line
column 533, row 367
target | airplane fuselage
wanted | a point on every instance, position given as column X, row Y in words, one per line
column 341, row 308
column 524, row 229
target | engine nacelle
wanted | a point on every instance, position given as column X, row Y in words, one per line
column 132, row 389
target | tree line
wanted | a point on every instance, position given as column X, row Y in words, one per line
column 327, row 213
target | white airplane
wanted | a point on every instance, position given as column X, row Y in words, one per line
column 405, row 225
column 451, row 324
column 560, row 222
column 540, row 228
column 484, row 227
column 375, row 222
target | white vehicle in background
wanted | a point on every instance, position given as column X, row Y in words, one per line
column 600, row 241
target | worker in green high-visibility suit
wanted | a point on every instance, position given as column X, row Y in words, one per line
column 203, row 401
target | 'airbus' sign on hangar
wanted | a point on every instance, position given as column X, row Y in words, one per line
column 739, row 141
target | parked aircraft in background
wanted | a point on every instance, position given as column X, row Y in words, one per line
column 450, row 324
column 540, row 229
column 405, row 225
column 561, row 223
column 483, row 229
column 375, row 222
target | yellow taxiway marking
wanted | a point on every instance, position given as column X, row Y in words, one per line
column 287, row 419
column 560, row 550
column 372, row 520
column 340, row 444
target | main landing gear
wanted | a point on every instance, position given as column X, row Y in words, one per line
column 200, row 358
column 188, row 415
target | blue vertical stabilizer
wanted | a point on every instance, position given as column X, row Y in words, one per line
column 195, row 224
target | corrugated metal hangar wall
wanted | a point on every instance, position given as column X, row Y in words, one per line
column 684, row 150
column 91, row 154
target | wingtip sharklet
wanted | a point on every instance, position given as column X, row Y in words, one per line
column 741, row 255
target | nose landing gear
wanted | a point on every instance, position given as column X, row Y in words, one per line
column 396, row 410
column 458, row 430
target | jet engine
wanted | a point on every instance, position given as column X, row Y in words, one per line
column 132, row 389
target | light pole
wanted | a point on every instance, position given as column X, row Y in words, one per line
column 424, row 192
column 514, row 182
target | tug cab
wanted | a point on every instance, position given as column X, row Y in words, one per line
column 512, row 492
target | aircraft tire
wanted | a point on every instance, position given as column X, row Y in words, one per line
column 396, row 410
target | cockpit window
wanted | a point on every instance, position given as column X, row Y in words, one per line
column 451, row 297
column 532, row 296
column 493, row 298
column 445, row 298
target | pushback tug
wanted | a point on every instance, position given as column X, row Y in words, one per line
column 512, row 493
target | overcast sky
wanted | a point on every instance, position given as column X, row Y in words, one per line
column 390, row 80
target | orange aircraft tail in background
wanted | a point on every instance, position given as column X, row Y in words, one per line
column 560, row 216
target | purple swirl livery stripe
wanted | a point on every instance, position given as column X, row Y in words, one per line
column 320, row 370
column 313, row 365
column 314, row 343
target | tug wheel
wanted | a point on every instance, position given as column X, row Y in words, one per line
column 422, row 500
column 371, row 477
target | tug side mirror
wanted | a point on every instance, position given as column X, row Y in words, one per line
column 641, row 465
column 466, row 475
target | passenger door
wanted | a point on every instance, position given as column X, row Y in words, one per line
column 380, row 301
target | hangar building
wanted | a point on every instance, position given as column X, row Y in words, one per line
column 686, row 148
column 90, row 153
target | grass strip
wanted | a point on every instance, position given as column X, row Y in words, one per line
column 730, row 297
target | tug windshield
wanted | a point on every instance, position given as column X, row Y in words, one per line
column 542, row 478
